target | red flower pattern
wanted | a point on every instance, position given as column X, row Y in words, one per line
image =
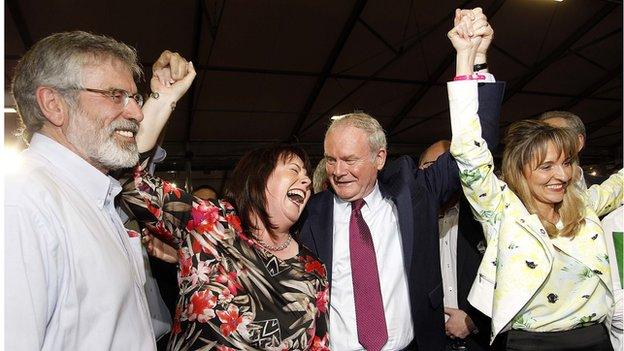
column 176, row 329
column 234, row 221
column 203, row 217
column 312, row 265
column 320, row 344
column 186, row 262
column 230, row 320
column 229, row 279
column 322, row 299
column 154, row 210
column 201, row 306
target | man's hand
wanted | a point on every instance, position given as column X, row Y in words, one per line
column 172, row 75
column 462, row 35
column 487, row 34
column 465, row 40
column 459, row 325
column 156, row 248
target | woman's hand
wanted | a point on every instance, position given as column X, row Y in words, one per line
column 462, row 35
column 470, row 35
column 156, row 248
column 172, row 75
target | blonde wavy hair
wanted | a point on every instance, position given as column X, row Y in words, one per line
column 526, row 144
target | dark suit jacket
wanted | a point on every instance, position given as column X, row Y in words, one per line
column 417, row 195
column 469, row 239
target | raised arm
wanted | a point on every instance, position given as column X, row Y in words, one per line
column 608, row 196
column 158, row 205
column 442, row 176
column 468, row 147
column 172, row 75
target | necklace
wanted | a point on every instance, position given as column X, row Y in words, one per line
column 274, row 248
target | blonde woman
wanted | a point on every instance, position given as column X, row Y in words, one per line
column 545, row 277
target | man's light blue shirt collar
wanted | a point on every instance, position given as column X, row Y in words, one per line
column 100, row 187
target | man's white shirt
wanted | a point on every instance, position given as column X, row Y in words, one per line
column 382, row 219
column 448, row 224
column 74, row 280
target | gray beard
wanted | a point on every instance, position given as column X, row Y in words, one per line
column 112, row 156
column 98, row 144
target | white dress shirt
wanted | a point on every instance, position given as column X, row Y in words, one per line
column 382, row 219
column 448, row 255
column 73, row 281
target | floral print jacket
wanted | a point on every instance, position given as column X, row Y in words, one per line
column 519, row 255
column 233, row 294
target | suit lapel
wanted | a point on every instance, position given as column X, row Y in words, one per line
column 533, row 226
column 323, row 231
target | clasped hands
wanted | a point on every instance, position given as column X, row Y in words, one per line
column 471, row 37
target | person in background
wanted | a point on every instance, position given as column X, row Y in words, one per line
column 461, row 249
column 205, row 192
column 545, row 278
column 74, row 275
column 565, row 119
column 568, row 120
column 319, row 179
column 377, row 232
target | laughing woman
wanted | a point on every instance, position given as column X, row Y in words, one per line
column 245, row 283
column 545, row 277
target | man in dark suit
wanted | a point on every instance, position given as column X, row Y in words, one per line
column 461, row 249
column 377, row 231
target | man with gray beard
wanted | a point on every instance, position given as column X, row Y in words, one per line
column 74, row 276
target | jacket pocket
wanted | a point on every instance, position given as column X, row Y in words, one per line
column 481, row 295
column 436, row 296
column 483, row 278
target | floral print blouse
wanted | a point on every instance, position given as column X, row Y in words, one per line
column 234, row 295
column 572, row 296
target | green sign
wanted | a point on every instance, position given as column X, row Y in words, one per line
column 617, row 242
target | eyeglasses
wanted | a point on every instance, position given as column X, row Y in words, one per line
column 119, row 96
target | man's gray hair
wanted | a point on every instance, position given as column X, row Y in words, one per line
column 57, row 62
column 574, row 122
column 366, row 122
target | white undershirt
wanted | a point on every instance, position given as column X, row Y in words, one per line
column 382, row 219
column 448, row 255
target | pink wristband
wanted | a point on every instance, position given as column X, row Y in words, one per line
column 474, row 76
column 463, row 77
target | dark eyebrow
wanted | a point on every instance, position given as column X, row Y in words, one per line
column 293, row 163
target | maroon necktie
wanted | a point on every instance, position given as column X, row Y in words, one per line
column 369, row 312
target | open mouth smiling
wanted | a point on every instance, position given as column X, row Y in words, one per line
column 556, row 187
column 296, row 195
